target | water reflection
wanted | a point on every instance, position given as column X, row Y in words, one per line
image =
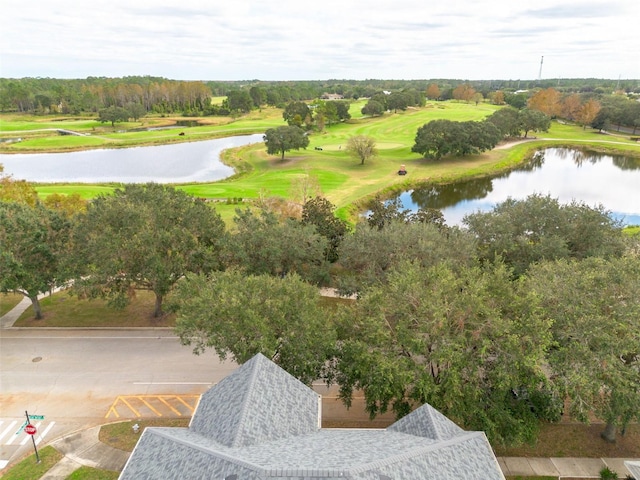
column 177, row 163
column 566, row 174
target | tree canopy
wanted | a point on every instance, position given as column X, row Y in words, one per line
column 113, row 114
column 240, row 316
column 522, row 232
column 462, row 340
column 595, row 362
column 297, row 114
column 144, row 236
column 362, row 147
column 319, row 212
column 369, row 254
column 373, row 108
column 263, row 244
column 285, row 138
column 12, row 190
column 445, row 137
column 33, row 242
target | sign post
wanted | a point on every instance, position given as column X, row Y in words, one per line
column 31, row 430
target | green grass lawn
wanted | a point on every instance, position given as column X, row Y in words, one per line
column 576, row 440
column 88, row 473
column 344, row 181
column 64, row 310
column 121, row 435
column 8, row 301
column 28, row 469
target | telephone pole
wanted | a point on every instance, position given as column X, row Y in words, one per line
column 540, row 72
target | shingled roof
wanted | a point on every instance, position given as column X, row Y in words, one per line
column 261, row 423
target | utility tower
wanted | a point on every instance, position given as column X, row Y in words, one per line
column 540, row 72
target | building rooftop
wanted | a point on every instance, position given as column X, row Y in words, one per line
column 262, row 423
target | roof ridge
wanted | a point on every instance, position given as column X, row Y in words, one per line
column 244, row 408
column 214, row 453
column 410, row 453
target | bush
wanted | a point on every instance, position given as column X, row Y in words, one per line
column 608, row 474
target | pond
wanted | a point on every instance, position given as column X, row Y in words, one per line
column 176, row 163
column 565, row 174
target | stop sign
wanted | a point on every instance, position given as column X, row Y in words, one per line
column 30, row 430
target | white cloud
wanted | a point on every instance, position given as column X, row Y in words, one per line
column 290, row 39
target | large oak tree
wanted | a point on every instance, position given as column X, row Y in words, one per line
column 595, row 360
column 282, row 139
column 264, row 244
column 144, row 237
column 523, row 232
column 468, row 341
column 239, row 316
column 33, row 242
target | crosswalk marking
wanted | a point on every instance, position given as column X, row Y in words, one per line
column 8, row 429
column 9, row 435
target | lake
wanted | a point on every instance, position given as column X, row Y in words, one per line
column 176, row 163
column 565, row 174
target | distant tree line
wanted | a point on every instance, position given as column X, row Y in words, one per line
column 152, row 94
column 603, row 112
column 161, row 95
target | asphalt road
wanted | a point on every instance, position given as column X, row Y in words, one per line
column 73, row 377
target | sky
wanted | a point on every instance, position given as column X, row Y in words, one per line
column 319, row 40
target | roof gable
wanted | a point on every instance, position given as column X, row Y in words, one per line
column 258, row 402
column 427, row 422
column 260, row 423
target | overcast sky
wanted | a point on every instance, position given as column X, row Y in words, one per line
column 317, row 40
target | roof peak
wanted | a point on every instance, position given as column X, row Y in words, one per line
column 259, row 401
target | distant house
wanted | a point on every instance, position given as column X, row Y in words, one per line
column 262, row 423
column 331, row 96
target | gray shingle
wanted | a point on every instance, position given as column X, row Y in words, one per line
column 427, row 422
column 261, row 423
column 259, row 401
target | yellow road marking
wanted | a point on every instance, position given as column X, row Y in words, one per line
column 112, row 409
column 169, row 406
column 130, row 400
column 186, row 404
column 137, row 414
column 149, row 406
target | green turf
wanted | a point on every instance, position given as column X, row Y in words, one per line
column 64, row 310
column 88, row 473
column 8, row 301
column 342, row 179
column 85, row 190
column 28, row 469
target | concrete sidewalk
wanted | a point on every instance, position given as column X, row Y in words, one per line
column 9, row 318
column 563, row 467
column 85, row 448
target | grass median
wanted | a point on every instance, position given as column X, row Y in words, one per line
column 64, row 310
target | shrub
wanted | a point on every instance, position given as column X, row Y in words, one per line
column 607, row 474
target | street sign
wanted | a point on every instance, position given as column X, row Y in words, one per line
column 21, row 429
column 30, row 429
column 36, row 417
